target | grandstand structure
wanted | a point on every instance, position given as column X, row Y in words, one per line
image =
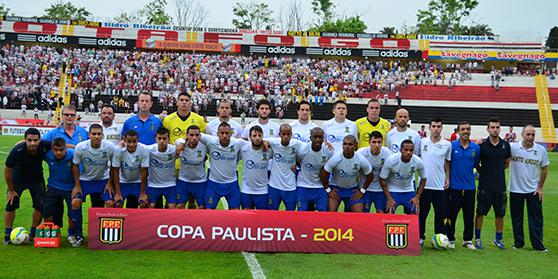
column 298, row 64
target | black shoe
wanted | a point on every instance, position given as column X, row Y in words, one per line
column 7, row 240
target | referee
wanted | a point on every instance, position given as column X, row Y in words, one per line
column 526, row 185
column 494, row 159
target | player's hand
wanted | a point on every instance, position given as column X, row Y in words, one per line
column 180, row 148
column 118, row 200
column 416, row 202
column 446, row 183
column 109, row 190
column 357, row 195
column 122, row 143
column 144, row 203
column 329, row 146
column 293, row 168
column 11, row 196
column 76, row 191
column 333, row 195
column 390, row 206
column 539, row 192
column 266, row 145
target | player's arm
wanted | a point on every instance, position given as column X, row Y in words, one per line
column 77, row 186
column 116, row 182
column 8, row 175
column 416, row 199
column 324, row 179
column 447, row 172
column 384, row 173
column 327, row 169
column 143, row 182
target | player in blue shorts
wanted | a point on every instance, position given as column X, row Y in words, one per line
column 312, row 157
column 376, row 155
column 397, row 176
column 192, row 178
column 93, row 156
column 224, row 158
column 253, row 193
column 345, row 168
column 129, row 171
column 161, row 179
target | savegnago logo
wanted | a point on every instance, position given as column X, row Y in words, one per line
column 111, row 42
column 52, row 39
column 281, row 50
column 2, row 36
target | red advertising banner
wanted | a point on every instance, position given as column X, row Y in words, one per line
column 255, row 231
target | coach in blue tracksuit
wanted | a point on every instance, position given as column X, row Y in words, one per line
column 461, row 193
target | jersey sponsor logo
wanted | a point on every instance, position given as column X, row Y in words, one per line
column 297, row 136
column 156, row 164
column 280, row 159
column 366, row 137
column 333, row 139
column 253, row 165
column 111, row 230
column 187, row 162
column 90, row 162
column 395, row 148
column 125, row 166
column 176, row 131
column 396, row 236
column 311, row 168
column 342, row 173
column 215, row 155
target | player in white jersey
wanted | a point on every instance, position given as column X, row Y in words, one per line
column 337, row 128
column 222, row 180
column 161, row 179
column 253, row 193
column 282, row 181
column 302, row 126
column 396, row 176
column 376, row 155
column 93, row 156
column 528, row 171
column 312, row 157
column 111, row 131
column 270, row 128
column 401, row 132
column 436, row 156
column 192, row 178
column 345, row 167
column 224, row 111
column 129, row 171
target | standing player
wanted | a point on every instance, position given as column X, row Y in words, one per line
column 93, row 156
column 396, row 179
column 24, row 170
column 494, row 159
column 178, row 121
column 312, row 157
column 376, row 154
column 129, row 171
column 224, row 111
column 461, row 194
column 402, row 132
column 192, row 178
column 270, row 128
column 345, row 168
column 253, row 193
column 372, row 122
column 282, row 182
column 161, row 179
column 60, row 180
column 436, row 156
column 337, row 128
column 111, row 130
column 222, row 180
column 528, row 159
column 302, row 126
column 145, row 123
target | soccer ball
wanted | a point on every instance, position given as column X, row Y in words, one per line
column 19, row 235
column 440, row 241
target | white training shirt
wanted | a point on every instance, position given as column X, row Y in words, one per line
column 112, row 133
column 400, row 175
column 344, row 171
column 224, row 159
column 376, row 162
column 311, row 163
column 336, row 132
column 213, row 127
column 162, row 167
column 394, row 139
column 270, row 130
column 130, row 163
column 94, row 161
column 284, row 158
column 254, row 170
column 192, row 163
column 525, row 166
column 301, row 131
column 434, row 156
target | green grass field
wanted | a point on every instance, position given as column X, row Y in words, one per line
column 26, row 261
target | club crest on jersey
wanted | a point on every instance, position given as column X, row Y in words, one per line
column 347, row 130
column 104, row 154
column 382, row 161
column 355, row 166
column 293, row 150
column 264, row 157
column 199, row 154
column 425, row 148
column 410, row 137
column 412, row 169
column 152, row 127
column 396, row 236
column 137, row 157
column 324, row 159
column 271, row 132
column 535, row 152
column 169, row 157
column 111, row 230
column 472, row 154
column 232, row 149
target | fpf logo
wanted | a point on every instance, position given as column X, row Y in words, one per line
column 111, row 230
column 396, row 236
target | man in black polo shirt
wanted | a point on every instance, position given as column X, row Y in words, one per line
column 24, row 170
column 495, row 155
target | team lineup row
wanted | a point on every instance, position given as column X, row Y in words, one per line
column 328, row 174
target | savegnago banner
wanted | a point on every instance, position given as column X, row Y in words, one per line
column 255, row 231
column 492, row 55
